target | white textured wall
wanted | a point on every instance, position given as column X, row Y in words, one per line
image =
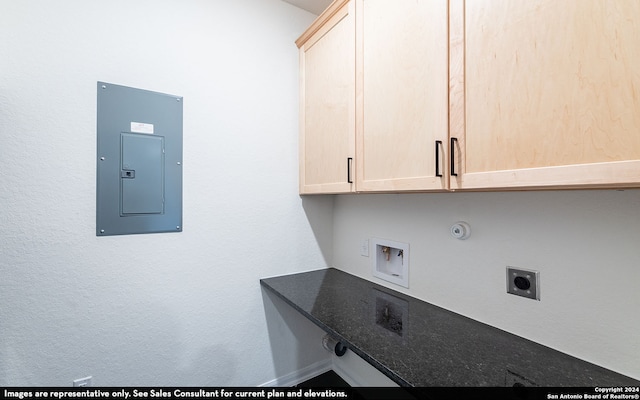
column 162, row 309
column 586, row 245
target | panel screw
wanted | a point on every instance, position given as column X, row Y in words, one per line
column 178, row 100
column 178, row 227
column 102, row 158
column 179, row 163
column 104, row 86
column 101, row 230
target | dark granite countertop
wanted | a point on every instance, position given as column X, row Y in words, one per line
column 418, row 344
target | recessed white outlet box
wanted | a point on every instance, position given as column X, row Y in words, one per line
column 523, row 282
column 82, row 382
column 390, row 261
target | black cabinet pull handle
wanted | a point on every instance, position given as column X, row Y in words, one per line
column 349, row 162
column 438, row 145
column 454, row 141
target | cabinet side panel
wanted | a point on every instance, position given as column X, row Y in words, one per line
column 551, row 83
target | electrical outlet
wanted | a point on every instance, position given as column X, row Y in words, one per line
column 364, row 248
column 523, row 282
column 82, row 382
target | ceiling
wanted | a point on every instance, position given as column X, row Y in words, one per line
column 313, row 6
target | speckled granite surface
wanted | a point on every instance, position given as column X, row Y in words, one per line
column 419, row 344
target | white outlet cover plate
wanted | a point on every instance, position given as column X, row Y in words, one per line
column 82, row 382
column 364, row 248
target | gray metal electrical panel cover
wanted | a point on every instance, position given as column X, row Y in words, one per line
column 139, row 161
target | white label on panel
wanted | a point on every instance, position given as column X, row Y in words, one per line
column 139, row 127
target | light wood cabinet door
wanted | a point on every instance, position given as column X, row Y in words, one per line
column 327, row 101
column 545, row 93
column 401, row 95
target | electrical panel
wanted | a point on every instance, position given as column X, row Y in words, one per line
column 139, row 161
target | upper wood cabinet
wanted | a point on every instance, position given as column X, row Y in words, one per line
column 545, row 93
column 401, row 95
column 489, row 94
column 327, row 102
